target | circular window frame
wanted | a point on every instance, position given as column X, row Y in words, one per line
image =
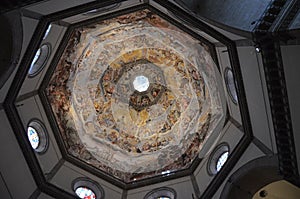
column 90, row 184
column 214, row 158
column 41, row 60
column 40, row 128
column 161, row 192
column 228, row 88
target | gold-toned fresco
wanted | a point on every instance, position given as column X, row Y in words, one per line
column 129, row 133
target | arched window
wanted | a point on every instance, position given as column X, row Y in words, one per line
column 37, row 136
column 87, row 189
column 39, row 60
column 230, row 85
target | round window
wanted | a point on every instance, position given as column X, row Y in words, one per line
column 87, row 189
column 230, row 85
column 33, row 137
column 218, row 158
column 221, row 160
column 37, row 136
column 161, row 193
column 86, row 193
column 102, row 10
column 39, row 60
column 47, row 31
column 141, row 83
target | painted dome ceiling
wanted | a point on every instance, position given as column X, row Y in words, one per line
column 135, row 96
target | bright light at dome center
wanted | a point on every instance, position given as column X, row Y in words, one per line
column 141, row 83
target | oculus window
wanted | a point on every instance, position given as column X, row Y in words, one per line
column 161, row 193
column 218, row 158
column 230, row 85
column 84, row 192
column 141, row 83
column 39, row 60
column 221, row 160
column 47, row 31
column 101, row 10
column 37, row 136
column 33, row 137
column 87, row 189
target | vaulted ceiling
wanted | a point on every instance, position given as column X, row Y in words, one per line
column 136, row 95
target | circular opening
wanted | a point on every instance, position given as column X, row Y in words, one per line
column 101, row 10
column 257, row 49
column 218, row 158
column 39, row 60
column 161, row 193
column 141, row 83
column 263, row 193
column 33, row 137
column 47, row 31
column 221, row 161
column 37, row 136
column 87, row 189
column 36, row 57
column 86, row 193
column 230, row 85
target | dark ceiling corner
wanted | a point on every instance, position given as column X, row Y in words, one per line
column 7, row 5
column 239, row 18
column 11, row 38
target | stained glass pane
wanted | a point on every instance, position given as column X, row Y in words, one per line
column 221, row 161
column 85, row 193
column 33, row 137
